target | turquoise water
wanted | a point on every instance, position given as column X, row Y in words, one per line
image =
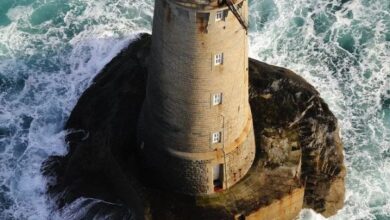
column 50, row 50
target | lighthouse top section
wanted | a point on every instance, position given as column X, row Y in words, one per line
column 213, row 5
column 204, row 4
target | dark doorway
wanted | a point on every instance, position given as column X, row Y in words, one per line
column 218, row 177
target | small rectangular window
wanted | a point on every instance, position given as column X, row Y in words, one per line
column 218, row 60
column 219, row 16
column 217, row 99
column 216, row 137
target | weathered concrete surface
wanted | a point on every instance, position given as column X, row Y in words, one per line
column 293, row 127
column 284, row 208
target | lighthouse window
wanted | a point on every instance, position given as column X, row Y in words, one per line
column 219, row 16
column 218, row 60
column 217, row 99
column 216, row 137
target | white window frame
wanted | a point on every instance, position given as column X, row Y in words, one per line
column 216, row 99
column 219, row 16
column 218, row 59
column 216, row 137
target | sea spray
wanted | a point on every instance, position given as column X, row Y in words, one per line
column 46, row 62
column 51, row 50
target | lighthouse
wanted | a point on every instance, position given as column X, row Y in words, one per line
column 195, row 131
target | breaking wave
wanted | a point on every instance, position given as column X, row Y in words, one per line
column 51, row 50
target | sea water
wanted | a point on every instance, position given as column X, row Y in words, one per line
column 50, row 50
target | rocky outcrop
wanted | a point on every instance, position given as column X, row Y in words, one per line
column 102, row 137
column 288, row 111
column 293, row 125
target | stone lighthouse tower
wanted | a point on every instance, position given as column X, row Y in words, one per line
column 195, row 132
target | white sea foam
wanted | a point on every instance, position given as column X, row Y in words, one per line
column 353, row 81
column 43, row 70
column 46, row 65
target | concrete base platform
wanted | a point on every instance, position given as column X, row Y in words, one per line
column 264, row 193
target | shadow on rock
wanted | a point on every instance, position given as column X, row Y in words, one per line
column 101, row 162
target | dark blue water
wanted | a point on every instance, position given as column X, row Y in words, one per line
column 51, row 49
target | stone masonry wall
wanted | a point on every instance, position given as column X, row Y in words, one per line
column 178, row 117
column 183, row 78
column 240, row 160
column 196, row 176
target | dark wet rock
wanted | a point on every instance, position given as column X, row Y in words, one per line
column 289, row 117
column 284, row 102
column 102, row 135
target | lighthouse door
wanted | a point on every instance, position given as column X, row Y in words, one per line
column 218, row 177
